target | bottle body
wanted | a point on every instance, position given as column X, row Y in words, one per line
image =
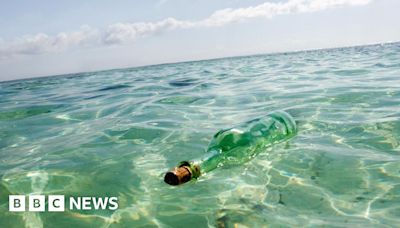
column 241, row 143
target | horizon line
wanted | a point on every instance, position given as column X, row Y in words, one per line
column 196, row 60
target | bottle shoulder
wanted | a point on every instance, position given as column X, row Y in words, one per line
column 242, row 135
column 278, row 122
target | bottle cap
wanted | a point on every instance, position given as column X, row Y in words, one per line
column 178, row 175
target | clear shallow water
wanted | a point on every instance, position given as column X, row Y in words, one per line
column 114, row 133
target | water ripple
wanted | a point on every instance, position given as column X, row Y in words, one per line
column 115, row 132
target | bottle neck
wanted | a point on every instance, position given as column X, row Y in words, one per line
column 208, row 162
column 188, row 170
column 194, row 168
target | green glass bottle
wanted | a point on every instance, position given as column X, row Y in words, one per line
column 236, row 145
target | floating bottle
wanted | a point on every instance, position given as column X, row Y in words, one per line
column 236, row 145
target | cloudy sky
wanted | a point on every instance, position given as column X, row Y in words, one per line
column 39, row 38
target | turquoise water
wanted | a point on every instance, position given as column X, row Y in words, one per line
column 114, row 133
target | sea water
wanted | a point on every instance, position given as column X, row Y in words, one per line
column 114, row 133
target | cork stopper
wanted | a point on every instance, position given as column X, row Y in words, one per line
column 178, row 175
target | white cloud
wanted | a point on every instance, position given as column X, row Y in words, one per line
column 43, row 43
column 123, row 32
column 269, row 9
column 127, row 32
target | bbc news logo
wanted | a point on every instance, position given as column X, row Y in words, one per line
column 56, row 203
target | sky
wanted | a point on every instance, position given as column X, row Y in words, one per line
column 46, row 37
